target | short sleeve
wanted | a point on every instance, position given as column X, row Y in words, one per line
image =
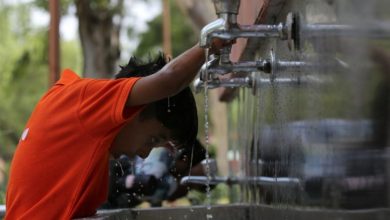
column 102, row 105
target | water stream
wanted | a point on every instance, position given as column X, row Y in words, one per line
column 206, row 134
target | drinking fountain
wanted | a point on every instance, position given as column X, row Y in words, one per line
column 294, row 30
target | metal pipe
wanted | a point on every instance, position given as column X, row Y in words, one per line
column 226, row 6
column 252, row 31
column 245, row 66
column 255, row 81
column 381, row 30
column 266, row 66
column 291, row 66
column 257, row 180
column 227, row 11
column 226, row 28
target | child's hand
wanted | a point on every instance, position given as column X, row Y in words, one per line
column 217, row 44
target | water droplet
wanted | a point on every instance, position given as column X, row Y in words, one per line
column 169, row 105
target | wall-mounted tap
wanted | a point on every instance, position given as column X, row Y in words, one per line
column 227, row 11
column 256, row 82
column 226, row 28
column 217, row 25
column 270, row 65
column 228, row 83
column 294, row 29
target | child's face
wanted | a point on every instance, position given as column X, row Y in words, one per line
column 139, row 137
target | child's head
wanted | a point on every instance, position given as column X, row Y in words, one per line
column 177, row 114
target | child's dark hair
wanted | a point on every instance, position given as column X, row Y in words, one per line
column 177, row 113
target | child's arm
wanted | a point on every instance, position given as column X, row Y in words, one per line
column 170, row 80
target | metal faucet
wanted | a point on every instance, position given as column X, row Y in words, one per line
column 228, row 83
column 227, row 11
column 271, row 65
column 217, row 25
column 255, row 82
column 226, row 28
column 292, row 30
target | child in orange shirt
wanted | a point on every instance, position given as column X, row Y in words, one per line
column 60, row 167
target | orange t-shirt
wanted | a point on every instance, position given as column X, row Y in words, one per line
column 60, row 167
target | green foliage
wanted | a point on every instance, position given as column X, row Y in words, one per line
column 44, row 4
column 218, row 195
column 23, row 73
column 71, row 55
column 103, row 6
column 183, row 37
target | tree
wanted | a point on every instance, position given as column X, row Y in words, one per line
column 183, row 36
column 23, row 74
column 99, row 26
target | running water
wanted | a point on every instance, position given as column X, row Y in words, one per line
column 206, row 131
column 169, row 105
column 189, row 174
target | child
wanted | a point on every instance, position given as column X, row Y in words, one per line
column 60, row 167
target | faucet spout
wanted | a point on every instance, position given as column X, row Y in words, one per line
column 217, row 25
column 213, row 68
column 227, row 83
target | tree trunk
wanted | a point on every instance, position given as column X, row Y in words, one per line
column 99, row 36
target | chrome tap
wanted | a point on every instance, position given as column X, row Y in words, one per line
column 229, row 83
column 270, row 65
column 255, row 82
column 217, row 25
column 203, row 73
column 227, row 11
column 226, row 28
